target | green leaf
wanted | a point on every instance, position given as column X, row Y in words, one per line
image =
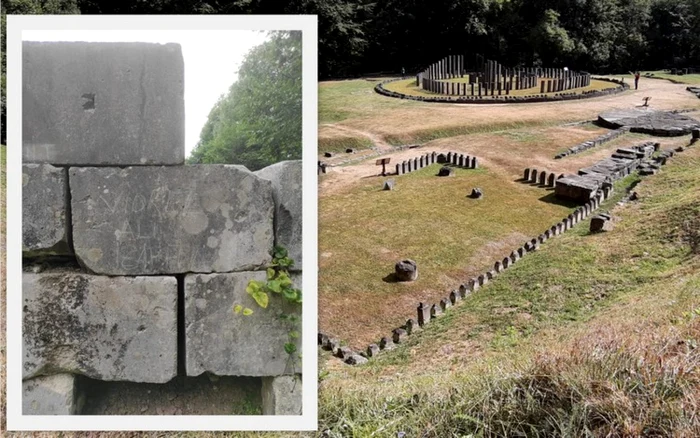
column 254, row 286
column 274, row 286
column 261, row 298
column 280, row 252
column 237, row 309
column 290, row 348
column 247, row 311
column 294, row 334
column 270, row 273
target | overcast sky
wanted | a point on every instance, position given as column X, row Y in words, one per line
column 212, row 58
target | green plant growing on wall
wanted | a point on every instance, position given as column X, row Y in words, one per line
column 278, row 283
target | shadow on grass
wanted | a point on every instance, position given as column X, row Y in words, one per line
column 551, row 198
column 391, row 278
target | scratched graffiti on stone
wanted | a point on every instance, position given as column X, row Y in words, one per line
column 138, row 221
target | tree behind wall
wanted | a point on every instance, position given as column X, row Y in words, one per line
column 259, row 121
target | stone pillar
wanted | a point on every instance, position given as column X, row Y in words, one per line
column 281, row 395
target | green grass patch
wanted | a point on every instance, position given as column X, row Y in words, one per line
column 426, row 135
column 340, row 144
column 342, row 100
column 426, row 218
column 618, row 376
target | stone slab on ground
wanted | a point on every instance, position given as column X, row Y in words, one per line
column 102, row 103
column 57, row 394
column 286, row 190
column 648, row 121
column 107, row 328
column 282, row 395
column 45, row 229
column 229, row 344
column 176, row 219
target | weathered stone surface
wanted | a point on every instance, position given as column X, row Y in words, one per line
column 44, row 216
column 406, row 270
column 446, row 171
column 282, row 395
column 229, row 344
column 107, row 328
column 476, row 193
column 51, row 395
column 204, row 218
column 399, row 335
column 388, row 185
column 660, row 123
column 601, row 222
column 286, row 191
column 356, row 359
column 102, row 103
column 372, row 350
column 423, row 314
column 343, row 352
column 386, row 343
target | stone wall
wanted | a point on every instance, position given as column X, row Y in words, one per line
column 581, row 147
column 159, row 252
column 450, row 158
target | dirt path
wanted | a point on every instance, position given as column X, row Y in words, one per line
column 375, row 139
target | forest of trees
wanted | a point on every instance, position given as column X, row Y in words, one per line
column 363, row 36
column 258, row 122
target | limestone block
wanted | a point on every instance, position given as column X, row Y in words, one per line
column 225, row 343
column 102, row 103
column 282, row 395
column 107, row 328
column 45, row 228
column 164, row 220
column 286, row 178
column 51, row 395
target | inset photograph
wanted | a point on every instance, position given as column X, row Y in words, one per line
column 162, row 206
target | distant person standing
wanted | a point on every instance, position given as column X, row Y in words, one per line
column 403, row 71
column 636, row 79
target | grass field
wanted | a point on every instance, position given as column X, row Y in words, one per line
column 594, row 335
column 428, row 219
column 410, row 88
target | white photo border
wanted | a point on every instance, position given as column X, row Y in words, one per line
column 308, row 421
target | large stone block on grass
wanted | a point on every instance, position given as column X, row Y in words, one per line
column 107, row 328
column 223, row 342
column 102, row 103
column 51, row 395
column 164, row 220
column 286, row 189
column 44, row 210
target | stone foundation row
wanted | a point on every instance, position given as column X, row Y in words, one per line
column 593, row 143
column 590, row 180
column 543, row 178
column 621, row 86
column 425, row 313
column 417, row 163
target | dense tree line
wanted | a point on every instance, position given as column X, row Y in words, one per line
column 258, row 122
column 363, row 36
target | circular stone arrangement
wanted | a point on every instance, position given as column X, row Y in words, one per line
column 646, row 121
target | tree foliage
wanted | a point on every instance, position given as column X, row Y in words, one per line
column 364, row 36
column 259, row 121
